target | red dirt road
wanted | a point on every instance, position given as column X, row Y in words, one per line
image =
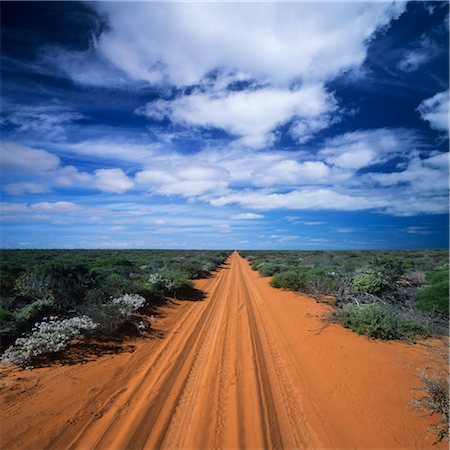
column 246, row 368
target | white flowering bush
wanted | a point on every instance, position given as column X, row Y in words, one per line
column 128, row 303
column 49, row 336
column 161, row 283
column 112, row 315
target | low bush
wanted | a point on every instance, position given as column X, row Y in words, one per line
column 320, row 285
column 81, row 280
column 369, row 280
column 379, row 321
column 436, row 401
column 268, row 269
column 34, row 311
column 169, row 282
column 435, row 297
column 112, row 315
column 47, row 337
column 5, row 316
column 128, row 303
column 33, row 285
column 291, row 279
column 391, row 267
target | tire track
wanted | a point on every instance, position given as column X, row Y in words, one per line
column 300, row 436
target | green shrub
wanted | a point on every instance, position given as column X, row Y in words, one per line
column 392, row 267
column 369, row 281
column 169, row 282
column 268, row 269
column 115, row 284
column 5, row 316
column 319, row 285
column 291, row 279
column 33, row 285
column 34, row 311
column 435, row 297
column 380, row 322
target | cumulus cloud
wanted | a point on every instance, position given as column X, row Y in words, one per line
column 421, row 175
column 19, row 158
column 265, row 180
column 182, row 177
column 297, row 49
column 247, row 216
column 435, row 111
column 363, row 148
column 44, row 170
column 69, row 176
column 181, row 43
column 112, row 180
column 251, row 115
column 290, row 172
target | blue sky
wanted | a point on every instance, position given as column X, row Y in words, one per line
column 224, row 125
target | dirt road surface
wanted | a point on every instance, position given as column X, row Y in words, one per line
column 248, row 367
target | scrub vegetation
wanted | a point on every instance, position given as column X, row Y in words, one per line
column 50, row 297
column 381, row 294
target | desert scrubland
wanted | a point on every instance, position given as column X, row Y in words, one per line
column 227, row 361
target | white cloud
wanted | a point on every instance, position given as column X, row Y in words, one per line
column 181, row 42
column 62, row 206
column 424, row 50
column 291, row 172
column 82, row 67
column 180, row 176
column 317, row 199
column 286, row 52
column 363, row 148
column 19, row 158
column 407, row 204
column 112, row 180
column 46, row 120
column 250, row 115
column 44, row 211
column 435, row 111
column 247, row 216
column 418, row 230
column 346, row 230
column 304, row 129
column 25, row 187
column 69, row 176
column 45, row 171
column 429, row 175
column 413, row 59
column 112, row 150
